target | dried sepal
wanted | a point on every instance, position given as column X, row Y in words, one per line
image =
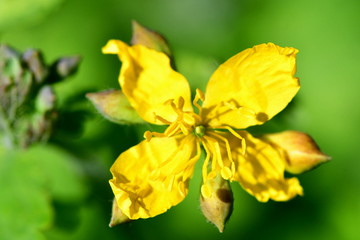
column 35, row 62
column 300, row 151
column 218, row 207
column 151, row 39
column 117, row 216
column 114, row 106
column 63, row 67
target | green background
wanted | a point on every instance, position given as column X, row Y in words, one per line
column 76, row 204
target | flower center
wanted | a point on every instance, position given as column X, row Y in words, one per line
column 199, row 131
column 185, row 121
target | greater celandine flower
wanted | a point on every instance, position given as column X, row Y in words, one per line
column 248, row 89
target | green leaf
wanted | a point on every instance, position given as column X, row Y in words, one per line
column 114, row 106
column 30, row 181
column 24, row 204
column 64, row 177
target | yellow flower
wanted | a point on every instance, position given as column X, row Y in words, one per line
column 248, row 89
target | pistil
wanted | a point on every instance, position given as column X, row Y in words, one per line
column 199, row 131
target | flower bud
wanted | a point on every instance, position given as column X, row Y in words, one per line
column 217, row 208
column 301, row 153
column 114, row 106
column 35, row 61
column 46, row 99
column 117, row 216
column 67, row 65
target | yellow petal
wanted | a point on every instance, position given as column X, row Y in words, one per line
column 251, row 87
column 261, row 172
column 148, row 81
column 151, row 177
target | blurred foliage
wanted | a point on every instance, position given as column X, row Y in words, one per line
column 202, row 34
column 15, row 12
column 28, row 106
column 31, row 181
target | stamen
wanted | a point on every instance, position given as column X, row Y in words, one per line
column 177, row 110
column 229, row 105
column 148, row 135
column 188, row 171
column 233, row 132
column 233, row 168
column 243, row 146
column 195, row 116
column 216, row 158
column 212, row 175
column 198, row 96
column 172, row 129
column 161, row 119
column 184, row 129
column 190, row 118
column 227, row 144
column 206, row 162
column 181, row 103
column 206, row 190
column 226, row 172
column 168, row 101
column 183, row 123
column 218, row 154
column 207, row 140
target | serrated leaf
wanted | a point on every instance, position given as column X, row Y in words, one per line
column 114, row 106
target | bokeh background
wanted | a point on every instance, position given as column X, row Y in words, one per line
column 202, row 34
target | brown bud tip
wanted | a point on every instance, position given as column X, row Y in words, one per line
column 151, row 39
column 7, row 52
column 35, row 61
column 117, row 216
column 114, row 106
column 67, row 66
column 301, row 153
column 217, row 208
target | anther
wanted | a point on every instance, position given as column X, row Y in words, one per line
column 148, row 135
